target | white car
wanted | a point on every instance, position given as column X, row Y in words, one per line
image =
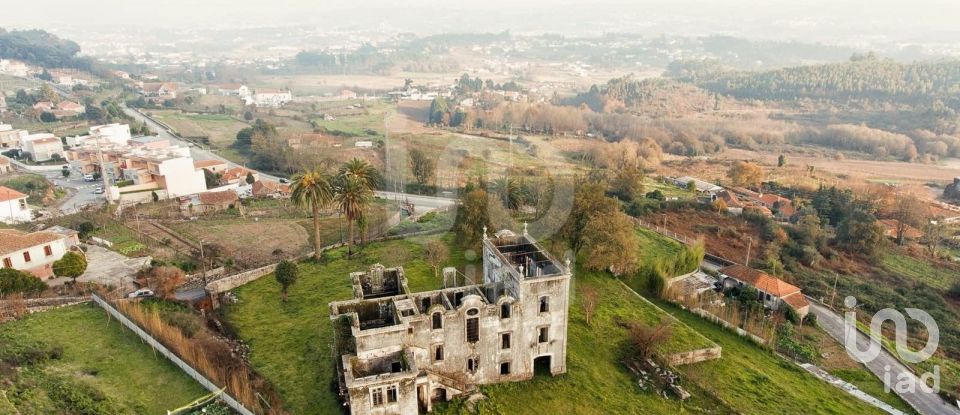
column 143, row 292
column 88, row 177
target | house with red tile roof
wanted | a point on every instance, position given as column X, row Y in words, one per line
column 33, row 252
column 772, row 291
column 215, row 166
column 13, row 206
column 734, row 205
column 265, row 189
column 208, row 202
column 237, row 175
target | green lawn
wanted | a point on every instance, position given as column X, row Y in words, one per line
column 869, row 383
column 918, row 270
column 290, row 342
column 753, row 380
column 654, row 246
column 99, row 358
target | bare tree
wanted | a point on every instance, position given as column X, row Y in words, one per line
column 907, row 211
column 589, row 299
column 436, row 253
column 647, row 339
column 933, row 234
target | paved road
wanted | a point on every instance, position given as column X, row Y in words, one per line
column 81, row 192
column 420, row 203
column 197, row 152
column 925, row 403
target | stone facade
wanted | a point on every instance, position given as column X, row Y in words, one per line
column 398, row 352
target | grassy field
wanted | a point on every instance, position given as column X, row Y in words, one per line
column 289, row 341
column 753, row 380
column 101, row 362
column 653, row 246
column 220, row 128
column 921, row 271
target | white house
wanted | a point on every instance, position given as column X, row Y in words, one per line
column 10, row 138
column 272, row 98
column 13, row 206
column 37, row 251
column 238, row 90
column 15, row 68
column 114, row 133
column 42, row 147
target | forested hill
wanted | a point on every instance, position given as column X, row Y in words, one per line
column 864, row 78
column 38, row 47
column 653, row 97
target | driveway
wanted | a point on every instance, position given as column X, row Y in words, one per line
column 924, row 403
column 105, row 267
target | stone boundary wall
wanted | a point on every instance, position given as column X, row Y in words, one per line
column 222, row 285
column 156, row 345
column 695, row 356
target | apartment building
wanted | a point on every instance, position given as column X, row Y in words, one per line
column 168, row 170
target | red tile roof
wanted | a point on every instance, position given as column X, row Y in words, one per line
column 7, row 193
column 218, row 198
column 760, row 280
column 730, row 199
column 797, row 301
column 265, row 188
column 17, row 241
column 202, row 164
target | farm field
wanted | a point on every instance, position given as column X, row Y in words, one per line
column 98, row 367
column 221, row 129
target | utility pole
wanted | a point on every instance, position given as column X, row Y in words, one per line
column 203, row 264
column 749, row 245
column 103, row 173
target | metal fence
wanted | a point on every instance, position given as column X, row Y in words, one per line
column 156, row 345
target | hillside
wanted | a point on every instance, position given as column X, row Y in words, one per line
column 38, row 47
column 865, row 78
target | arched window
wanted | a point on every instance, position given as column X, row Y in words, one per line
column 471, row 365
column 437, row 321
column 505, row 310
column 544, row 304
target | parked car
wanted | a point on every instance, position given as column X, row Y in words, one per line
column 98, row 190
column 284, row 181
column 88, row 178
column 143, row 292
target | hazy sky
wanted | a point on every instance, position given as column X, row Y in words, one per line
column 838, row 21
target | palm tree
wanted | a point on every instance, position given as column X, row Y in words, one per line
column 352, row 197
column 362, row 170
column 313, row 189
column 510, row 192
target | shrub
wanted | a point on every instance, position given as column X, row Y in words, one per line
column 15, row 281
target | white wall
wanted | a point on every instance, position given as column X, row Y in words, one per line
column 12, row 212
column 40, row 263
column 115, row 133
column 181, row 177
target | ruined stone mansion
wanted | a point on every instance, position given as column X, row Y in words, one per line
column 399, row 352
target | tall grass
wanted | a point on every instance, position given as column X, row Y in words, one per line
column 210, row 356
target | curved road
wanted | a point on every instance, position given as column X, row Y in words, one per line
column 922, row 402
